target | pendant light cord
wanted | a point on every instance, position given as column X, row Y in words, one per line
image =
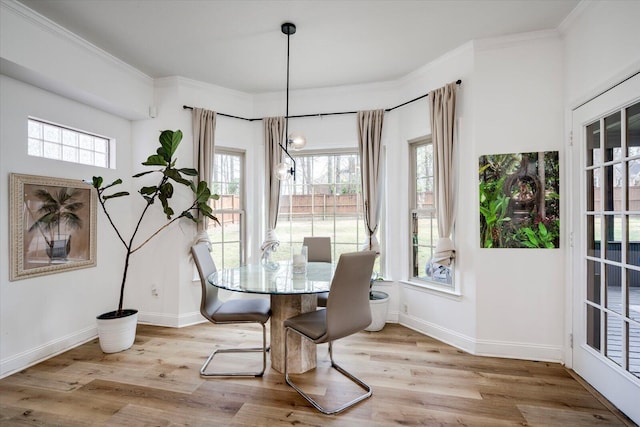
column 286, row 117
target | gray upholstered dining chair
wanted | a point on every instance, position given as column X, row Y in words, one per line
column 233, row 311
column 347, row 312
column 319, row 250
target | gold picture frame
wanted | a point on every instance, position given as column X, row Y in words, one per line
column 52, row 225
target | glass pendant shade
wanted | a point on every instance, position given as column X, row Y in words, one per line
column 296, row 140
column 283, row 171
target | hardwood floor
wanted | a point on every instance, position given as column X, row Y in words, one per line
column 416, row 380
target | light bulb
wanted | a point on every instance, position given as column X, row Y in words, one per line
column 296, row 140
column 283, row 171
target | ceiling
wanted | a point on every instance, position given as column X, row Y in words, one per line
column 239, row 45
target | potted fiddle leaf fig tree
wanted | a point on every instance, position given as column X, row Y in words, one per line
column 117, row 329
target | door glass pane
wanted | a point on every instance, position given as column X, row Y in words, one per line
column 634, row 349
column 610, row 198
column 633, row 245
column 590, row 191
column 593, row 236
column 613, row 137
column 593, row 327
column 634, row 294
column 613, row 232
column 633, row 130
column 594, row 195
column 615, row 336
column 633, row 185
column 614, row 288
column 593, row 281
column 593, row 144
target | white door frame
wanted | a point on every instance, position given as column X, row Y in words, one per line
column 621, row 388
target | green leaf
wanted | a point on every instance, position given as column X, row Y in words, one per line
column 116, row 182
column 167, row 190
column 204, row 208
column 165, row 205
column 175, row 175
column 148, row 190
column 155, row 160
column 97, row 181
column 138, row 175
column 188, row 214
column 114, row 195
column 542, row 229
column 188, row 171
column 170, row 140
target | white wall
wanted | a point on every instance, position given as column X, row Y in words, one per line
column 518, row 106
column 450, row 318
column 177, row 302
column 601, row 46
column 43, row 315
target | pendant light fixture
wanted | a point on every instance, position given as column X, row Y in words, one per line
column 293, row 141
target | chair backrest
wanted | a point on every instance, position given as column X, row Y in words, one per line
column 348, row 308
column 318, row 249
column 209, row 302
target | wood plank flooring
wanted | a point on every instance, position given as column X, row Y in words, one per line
column 416, row 380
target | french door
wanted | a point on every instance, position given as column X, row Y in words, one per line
column 605, row 218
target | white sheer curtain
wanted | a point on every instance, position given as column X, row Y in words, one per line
column 442, row 107
column 370, row 150
column 204, row 128
column 273, row 128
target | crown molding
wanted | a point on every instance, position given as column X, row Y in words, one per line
column 515, row 39
column 18, row 9
column 577, row 11
column 175, row 81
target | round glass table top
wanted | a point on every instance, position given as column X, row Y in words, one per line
column 275, row 278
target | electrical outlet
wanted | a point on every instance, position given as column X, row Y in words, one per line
column 405, row 308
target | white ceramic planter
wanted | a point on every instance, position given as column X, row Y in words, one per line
column 117, row 333
column 379, row 309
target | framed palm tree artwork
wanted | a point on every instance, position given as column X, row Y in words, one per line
column 53, row 225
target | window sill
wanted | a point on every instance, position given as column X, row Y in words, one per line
column 434, row 288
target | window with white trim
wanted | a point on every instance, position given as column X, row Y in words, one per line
column 424, row 218
column 324, row 200
column 57, row 142
column 228, row 237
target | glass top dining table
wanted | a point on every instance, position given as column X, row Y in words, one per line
column 291, row 294
column 274, row 279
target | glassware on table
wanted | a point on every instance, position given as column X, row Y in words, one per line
column 299, row 261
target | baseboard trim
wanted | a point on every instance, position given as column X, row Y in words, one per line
column 517, row 350
column 172, row 321
column 445, row 335
column 31, row 357
column 504, row 349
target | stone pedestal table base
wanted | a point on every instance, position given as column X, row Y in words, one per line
column 302, row 352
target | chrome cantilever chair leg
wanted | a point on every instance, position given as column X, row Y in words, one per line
column 334, row 365
column 264, row 349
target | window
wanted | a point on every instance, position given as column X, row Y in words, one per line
column 61, row 143
column 424, row 219
column 324, row 200
column 227, row 238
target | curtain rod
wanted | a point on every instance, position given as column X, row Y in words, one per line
column 186, row 107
